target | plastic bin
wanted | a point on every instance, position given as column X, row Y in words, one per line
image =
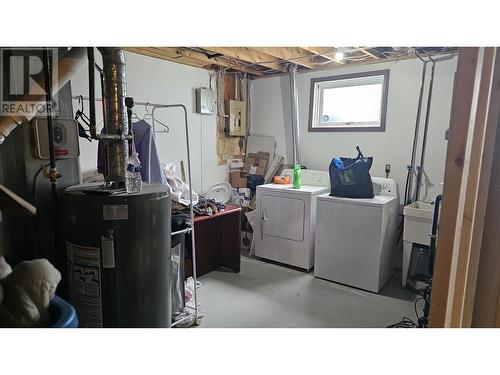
column 63, row 315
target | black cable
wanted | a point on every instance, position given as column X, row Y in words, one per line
column 405, row 323
column 415, row 306
column 35, row 218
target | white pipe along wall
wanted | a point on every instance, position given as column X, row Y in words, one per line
column 158, row 81
column 271, row 115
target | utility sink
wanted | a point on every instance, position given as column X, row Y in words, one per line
column 418, row 222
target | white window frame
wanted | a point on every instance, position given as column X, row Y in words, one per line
column 318, row 85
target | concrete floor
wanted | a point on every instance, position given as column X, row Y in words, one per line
column 269, row 295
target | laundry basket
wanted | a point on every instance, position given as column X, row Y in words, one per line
column 63, row 315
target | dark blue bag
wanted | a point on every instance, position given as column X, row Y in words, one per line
column 350, row 178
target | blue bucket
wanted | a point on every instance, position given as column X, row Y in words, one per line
column 63, row 315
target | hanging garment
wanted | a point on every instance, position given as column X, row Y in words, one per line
column 144, row 144
column 145, row 147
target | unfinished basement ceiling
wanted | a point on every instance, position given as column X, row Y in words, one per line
column 267, row 61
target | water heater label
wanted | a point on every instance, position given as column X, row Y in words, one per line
column 84, row 272
column 115, row 212
column 108, row 252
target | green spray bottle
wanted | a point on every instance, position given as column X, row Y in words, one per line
column 297, row 179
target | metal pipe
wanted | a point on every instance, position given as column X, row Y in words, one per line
column 53, row 174
column 411, row 166
column 116, row 115
column 67, row 66
column 91, row 68
column 103, row 95
column 110, row 137
column 292, row 70
column 420, row 168
column 432, row 246
column 237, row 86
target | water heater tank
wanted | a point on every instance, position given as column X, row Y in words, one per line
column 118, row 254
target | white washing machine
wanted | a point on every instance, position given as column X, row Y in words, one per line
column 355, row 238
column 285, row 219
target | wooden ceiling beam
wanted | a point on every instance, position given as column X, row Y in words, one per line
column 291, row 54
column 166, row 55
column 368, row 53
column 249, row 55
column 190, row 57
column 325, row 52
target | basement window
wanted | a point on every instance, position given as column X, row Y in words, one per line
column 350, row 102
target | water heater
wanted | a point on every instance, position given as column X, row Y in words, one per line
column 118, row 251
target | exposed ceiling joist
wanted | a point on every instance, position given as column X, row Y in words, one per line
column 215, row 61
column 271, row 61
column 190, row 57
column 249, row 55
column 292, row 54
column 166, row 55
column 325, row 52
column 368, row 53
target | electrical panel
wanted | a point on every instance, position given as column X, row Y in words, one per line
column 237, row 118
column 205, row 101
column 65, row 138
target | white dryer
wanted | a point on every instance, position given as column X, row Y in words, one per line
column 285, row 219
column 355, row 238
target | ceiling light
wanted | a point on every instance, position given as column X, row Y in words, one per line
column 339, row 55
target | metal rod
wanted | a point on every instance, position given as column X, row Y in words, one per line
column 292, row 70
column 91, row 58
column 191, row 212
column 187, row 230
column 103, row 95
column 157, row 105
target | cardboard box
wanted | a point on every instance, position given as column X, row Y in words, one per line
column 237, row 180
column 256, row 163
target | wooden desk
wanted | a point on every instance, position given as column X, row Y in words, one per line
column 218, row 242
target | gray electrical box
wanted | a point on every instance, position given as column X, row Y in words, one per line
column 205, row 101
column 65, row 138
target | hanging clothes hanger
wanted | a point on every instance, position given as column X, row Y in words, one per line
column 165, row 129
column 147, row 114
column 135, row 117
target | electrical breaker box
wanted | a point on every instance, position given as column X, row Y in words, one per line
column 205, row 101
column 65, row 138
column 237, row 118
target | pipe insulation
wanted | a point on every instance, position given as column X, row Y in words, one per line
column 66, row 67
column 292, row 70
column 115, row 87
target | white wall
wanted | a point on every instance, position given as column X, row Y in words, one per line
column 271, row 116
column 158, row 81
